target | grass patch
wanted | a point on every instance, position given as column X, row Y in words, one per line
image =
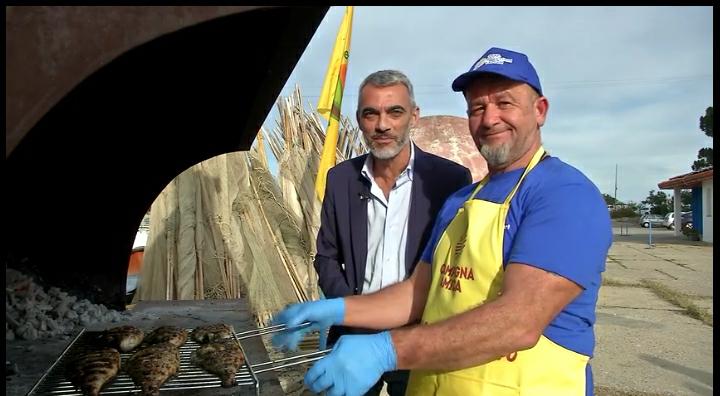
column 679, row 299
column 615, row 282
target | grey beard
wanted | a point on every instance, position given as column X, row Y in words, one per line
column 495, row 156
column 389, row 152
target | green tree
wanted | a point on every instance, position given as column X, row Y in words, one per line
column 634, row 206
column 705, row 154
column 630, row 209
column 706, row 122
column 659, row 203
column 610, row 200
column 685, row 201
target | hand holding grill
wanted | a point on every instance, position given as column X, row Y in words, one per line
column 354, row 365
column 321, row 314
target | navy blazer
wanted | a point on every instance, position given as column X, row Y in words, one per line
column 342, row 238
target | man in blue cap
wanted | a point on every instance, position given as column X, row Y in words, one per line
column 503, row 299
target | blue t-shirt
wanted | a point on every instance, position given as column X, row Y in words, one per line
column 558, row 221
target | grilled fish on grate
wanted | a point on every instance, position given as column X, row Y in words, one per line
column 223, row 358
column 90, row 370
column 150, row 367
column 172, row 334
column 210, row 333
column 124, row 338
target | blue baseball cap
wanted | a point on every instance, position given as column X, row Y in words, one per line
column 506, row 63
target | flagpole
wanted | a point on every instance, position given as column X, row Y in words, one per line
column 330, row 102
column 329, row 106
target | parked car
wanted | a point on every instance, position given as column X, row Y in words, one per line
column 669, row 219
column 656, row 219
column 685, row 221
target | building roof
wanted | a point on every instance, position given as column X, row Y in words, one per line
column 688, row 180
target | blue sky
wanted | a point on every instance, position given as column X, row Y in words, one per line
column 626, row 85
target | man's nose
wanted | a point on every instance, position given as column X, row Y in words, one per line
column 382, row 124
column 491, row 116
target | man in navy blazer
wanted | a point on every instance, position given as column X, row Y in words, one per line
column 379, row 208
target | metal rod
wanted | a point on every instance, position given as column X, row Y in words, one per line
column 255, row 379
column 267, row 330
column 310, row 354
column 304, row 358
column 56, row 362
column 289, row 364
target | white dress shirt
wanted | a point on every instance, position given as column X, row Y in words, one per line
column 387, row 228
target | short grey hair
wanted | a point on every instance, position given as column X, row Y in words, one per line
column 386, row 78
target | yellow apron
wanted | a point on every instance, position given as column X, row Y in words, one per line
column 467, row 272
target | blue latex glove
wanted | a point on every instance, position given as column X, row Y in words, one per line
column 321, row 314
column 353, row 366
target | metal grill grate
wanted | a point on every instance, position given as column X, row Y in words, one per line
column 190, row 376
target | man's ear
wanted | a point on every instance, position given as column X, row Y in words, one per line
column 541, row 108
column 415, row 116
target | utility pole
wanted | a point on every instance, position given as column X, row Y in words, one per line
column 615, row 197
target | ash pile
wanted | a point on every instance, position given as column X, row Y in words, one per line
column 32, row 313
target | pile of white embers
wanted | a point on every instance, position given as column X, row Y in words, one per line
column 31, row 313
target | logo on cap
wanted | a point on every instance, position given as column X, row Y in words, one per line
column 491, row 59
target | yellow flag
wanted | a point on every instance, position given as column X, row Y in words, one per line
column 331, row 99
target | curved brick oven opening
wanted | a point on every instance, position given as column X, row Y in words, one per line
column 449, row 137
column 82, row 174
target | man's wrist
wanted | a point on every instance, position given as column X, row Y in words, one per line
column 338, row 309
column 390, row 356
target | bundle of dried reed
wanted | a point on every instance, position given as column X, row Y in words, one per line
column 226, row 227
column 296, row 143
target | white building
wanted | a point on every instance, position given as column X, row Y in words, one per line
column 701, row 184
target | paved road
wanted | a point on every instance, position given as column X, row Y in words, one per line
column 646, row 344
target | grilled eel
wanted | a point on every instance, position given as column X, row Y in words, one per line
column 123, row 338
column 91, row 370
column 210, row 333
column 223, row 358
column 172, row 334
column 152, row 366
